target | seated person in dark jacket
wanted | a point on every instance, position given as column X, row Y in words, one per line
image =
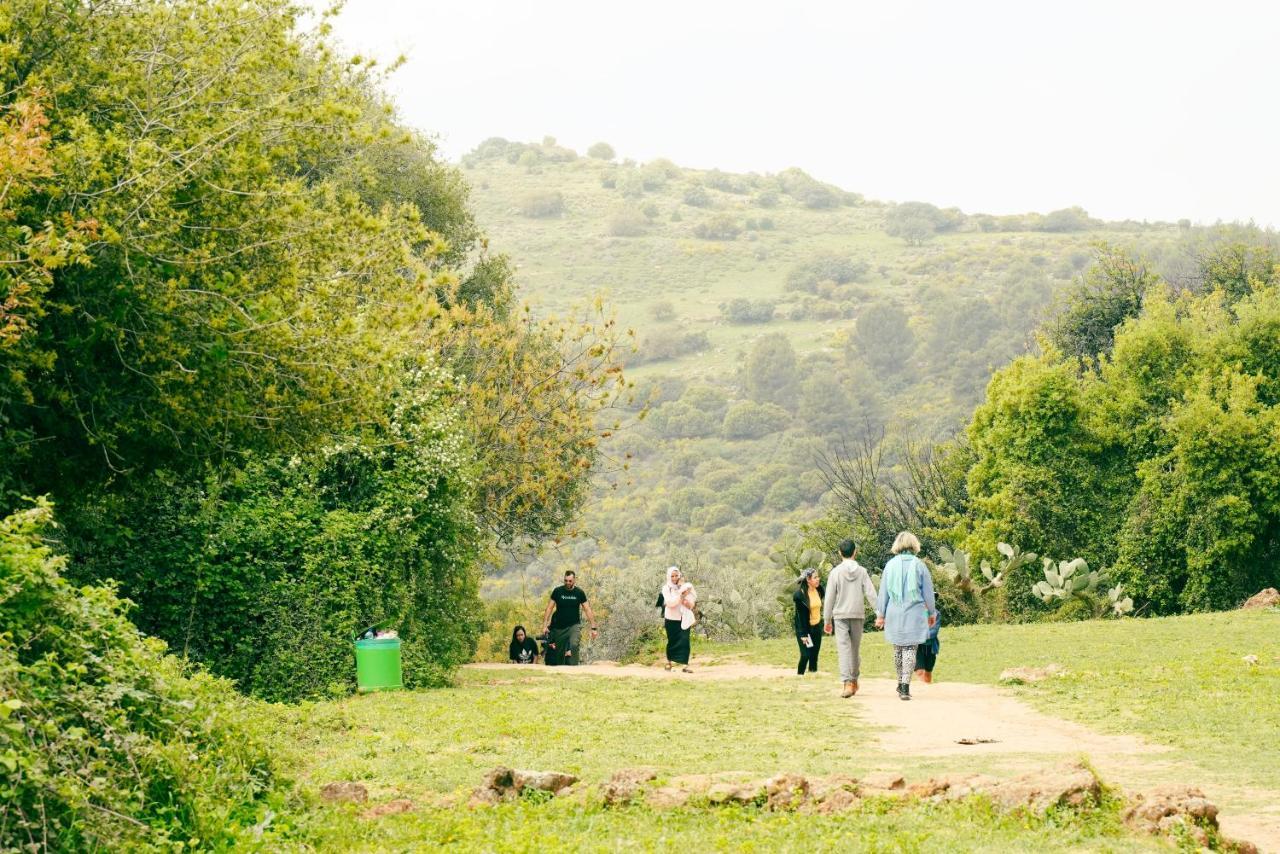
column 523, row 649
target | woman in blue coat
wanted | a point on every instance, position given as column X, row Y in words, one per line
column 905, row 607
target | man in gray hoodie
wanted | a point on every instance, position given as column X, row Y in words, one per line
column 849, row 589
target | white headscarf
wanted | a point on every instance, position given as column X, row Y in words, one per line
column 676, row 595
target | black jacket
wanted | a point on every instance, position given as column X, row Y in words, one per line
column 801, row 599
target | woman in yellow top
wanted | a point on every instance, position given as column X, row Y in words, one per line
column 808, row 623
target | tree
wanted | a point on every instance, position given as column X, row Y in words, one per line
column 883, row 338
column 601, row 151
column 542, row 204
column 1066, row 219
column 770, row 371
column 916, row 222
column 750, row 420
column 1110, row 293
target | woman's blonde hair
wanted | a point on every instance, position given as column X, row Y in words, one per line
column 905, row 541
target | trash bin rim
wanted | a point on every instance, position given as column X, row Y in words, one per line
column 378, row 643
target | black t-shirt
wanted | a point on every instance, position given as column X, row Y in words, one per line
column 567, row 604
column 524, row 652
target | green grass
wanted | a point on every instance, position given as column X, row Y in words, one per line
column 1175, row 681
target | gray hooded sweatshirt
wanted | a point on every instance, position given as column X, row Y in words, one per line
column 849, row 589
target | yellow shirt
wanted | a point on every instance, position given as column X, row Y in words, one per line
column 815, row 607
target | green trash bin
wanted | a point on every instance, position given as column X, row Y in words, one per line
column 378, row 665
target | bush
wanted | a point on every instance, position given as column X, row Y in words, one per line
column 681, row 421
column 750, row 420
column 723, row 227
column 104, row 743
column 542, row 205
column 266, row 576
column 662, row 311
column 743, row 310
column 628, row 224
column 697, row 196
column 601, row 151
column 827, row 267
column 666, row 344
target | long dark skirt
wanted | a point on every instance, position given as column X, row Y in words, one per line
column 677, row 642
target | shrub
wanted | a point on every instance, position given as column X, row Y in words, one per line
column 104, row 743
column 679, row 420
column 267, row 575
column 722, row 227
column 826, row 267
column 665, row 344
column 750, row 420
column 1067, row 219
column 542, row 205
column 697, row 196
column 742, row 310
column 627, row 224
column 601, row 151
column 768, row 199
column 724, row 182
column 662, row 311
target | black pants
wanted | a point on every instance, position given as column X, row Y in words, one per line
column 926, row 656
column 677, row 642
column 809, row 654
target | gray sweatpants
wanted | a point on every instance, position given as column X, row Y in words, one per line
column 848, row 633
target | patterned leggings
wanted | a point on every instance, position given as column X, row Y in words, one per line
column 904, row 661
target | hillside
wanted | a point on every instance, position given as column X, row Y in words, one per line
column 773, row 315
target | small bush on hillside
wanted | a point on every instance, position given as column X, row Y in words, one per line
column 768, row 199
column 750, row 420
column 697, row 196
column 662, row 311
column 743, row 310
column 725, row 183
column 723, row 227
column 681, row 421
column 104, row 744
column 826, row 267
column 542, row 205
column 665, row 344
column 631, row 184
column 627, row 224
column 1067, row 219
column 601, row 151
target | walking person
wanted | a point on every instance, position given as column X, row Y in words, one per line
column 905, row 608
column 849, row 589
column 676, row 599
column 565, row 627
column 808, row 620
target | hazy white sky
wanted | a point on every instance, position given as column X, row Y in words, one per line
column 1144, row 110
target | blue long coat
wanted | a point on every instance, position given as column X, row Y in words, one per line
column 907, row 624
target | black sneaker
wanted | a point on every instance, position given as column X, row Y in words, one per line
column 904, row 692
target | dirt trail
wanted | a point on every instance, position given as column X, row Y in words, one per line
column 994, row 720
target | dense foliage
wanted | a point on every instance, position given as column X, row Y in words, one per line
column 105, row 742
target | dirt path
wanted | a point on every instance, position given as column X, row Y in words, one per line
column 993, row 722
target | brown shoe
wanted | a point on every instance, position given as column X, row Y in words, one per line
column 853, row 687
column 924, row 676
column 848, row 690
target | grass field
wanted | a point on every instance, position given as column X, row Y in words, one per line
column 1178, row 682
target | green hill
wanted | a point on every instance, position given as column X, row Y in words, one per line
column 773, row 315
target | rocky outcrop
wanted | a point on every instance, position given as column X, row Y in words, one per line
column 1269, row 598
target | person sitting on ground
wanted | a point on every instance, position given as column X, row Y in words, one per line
column 927, row 652
column 566, row 626
column 676, row 599
column 905, row 608
column 844, row 611
column 808, row 620
column 523, row 649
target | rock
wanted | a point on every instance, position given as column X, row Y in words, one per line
column 837, row 800
column 1156, row 811
column 344, row 792
column 625, row 785
column 883, row 783
column 786, row 791
column 389, row 808
column 500, row 780
column 667, row 797
column 1027, row 675
column 931, row 788
column 546, row 781
column 1269, row 598
column 735, row 793
column 1070, row 784
column 964, row 785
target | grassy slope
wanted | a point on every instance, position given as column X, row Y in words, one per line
column 569, row 259
column 1177, row 681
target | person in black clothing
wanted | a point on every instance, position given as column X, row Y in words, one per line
column 565, row 627
column 523, row 649
column 808, row 621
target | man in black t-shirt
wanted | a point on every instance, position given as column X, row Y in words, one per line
column 565, row 626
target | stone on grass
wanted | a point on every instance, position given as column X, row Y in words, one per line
column 786, row 791
column 1174, row 811
column 344, row 792
column 667, row 797
column 625, row 786
column 1071, row 784
column 735, row 793
column 545, row 781
column 1028, row 675
column 883, row 783
column 1269, row 598
column 399, row 805
column 504, row 784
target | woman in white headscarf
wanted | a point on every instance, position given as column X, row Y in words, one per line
column 676, row 599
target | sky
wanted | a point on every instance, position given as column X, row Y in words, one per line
column 1129, row 109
